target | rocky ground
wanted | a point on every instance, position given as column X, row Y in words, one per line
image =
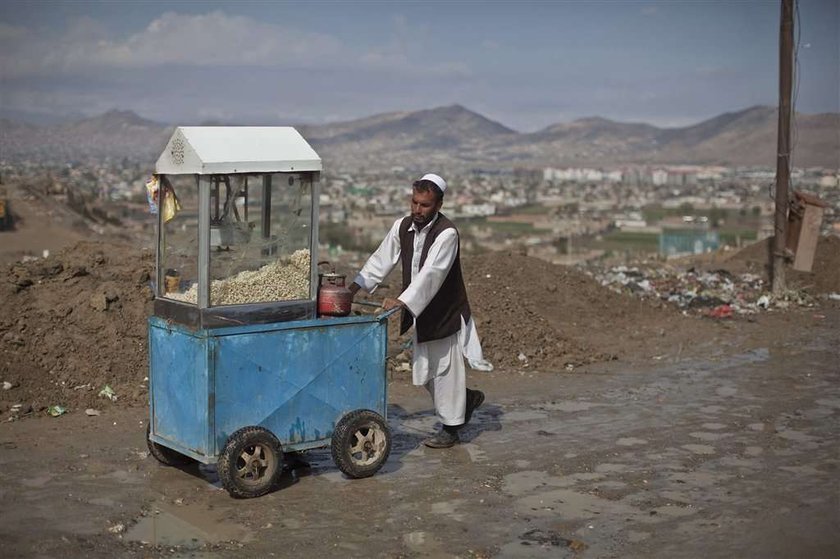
column 731, row 453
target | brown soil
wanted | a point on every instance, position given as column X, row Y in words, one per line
column 73, row 323
column 824, row 276
column 76, row 321
column 556, row 316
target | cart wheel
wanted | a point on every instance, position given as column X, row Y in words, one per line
column 251, row 462
column 165, row 455
column 361, row 443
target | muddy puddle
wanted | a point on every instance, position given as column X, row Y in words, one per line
column 186, row 526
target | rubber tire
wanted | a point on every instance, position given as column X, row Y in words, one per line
column 236, row 445
column 343, row 441
column 165, row 455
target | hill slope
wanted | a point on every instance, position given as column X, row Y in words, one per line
column 454, row 137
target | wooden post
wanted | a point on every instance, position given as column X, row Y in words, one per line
column 783, row 150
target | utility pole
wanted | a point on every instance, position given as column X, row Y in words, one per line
column 783, row 149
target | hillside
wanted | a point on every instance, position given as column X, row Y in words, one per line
column 454, row 137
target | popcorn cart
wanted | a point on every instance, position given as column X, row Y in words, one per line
column 242, row 369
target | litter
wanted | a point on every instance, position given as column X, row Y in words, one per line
column 763, row 302
column 480, row 365
column 722, row 311
column 55, row 411
column 109, row 393
column 699, row 291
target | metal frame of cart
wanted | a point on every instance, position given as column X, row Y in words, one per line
column 242, row 373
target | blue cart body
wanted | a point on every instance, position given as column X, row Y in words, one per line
column 296, row 379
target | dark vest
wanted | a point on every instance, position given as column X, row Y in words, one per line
column 442, row 317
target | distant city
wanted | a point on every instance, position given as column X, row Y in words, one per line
column 628, row 204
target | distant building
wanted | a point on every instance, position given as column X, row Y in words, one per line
column 659, row 177
column 678, row 241
column 478, row 210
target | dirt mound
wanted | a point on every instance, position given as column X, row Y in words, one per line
column 824, row 277
column 73, row 323
column 555, row 315
column 511, row 298
column 77, row 321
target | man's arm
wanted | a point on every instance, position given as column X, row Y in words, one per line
column 380, row 263
column 425, row 285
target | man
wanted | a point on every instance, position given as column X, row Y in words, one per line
column 434, row 301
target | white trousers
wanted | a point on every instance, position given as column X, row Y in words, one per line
column 449, row 390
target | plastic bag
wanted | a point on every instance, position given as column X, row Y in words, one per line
column 152, row 193
column 171, row 205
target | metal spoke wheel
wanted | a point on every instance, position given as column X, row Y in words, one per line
column 165, row 455
column 361, row 443
column 251, row 462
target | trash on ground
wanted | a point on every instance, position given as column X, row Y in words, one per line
column 109, row 393
column 721, row 311
column 699, row 291
column 480, row 365
column 55, row 411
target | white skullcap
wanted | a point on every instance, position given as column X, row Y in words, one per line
column 437, row 179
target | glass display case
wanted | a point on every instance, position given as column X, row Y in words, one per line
column 239, row 247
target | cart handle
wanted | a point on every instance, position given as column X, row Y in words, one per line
column 387, row 313
column 382, row 316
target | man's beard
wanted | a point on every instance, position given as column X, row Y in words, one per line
column 421, row 221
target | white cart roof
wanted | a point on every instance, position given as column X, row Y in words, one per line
column 208, row 150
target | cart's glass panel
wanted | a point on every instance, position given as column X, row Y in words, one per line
column 260, row 228
column 178, row 209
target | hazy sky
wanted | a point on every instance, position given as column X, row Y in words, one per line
column 525, row 64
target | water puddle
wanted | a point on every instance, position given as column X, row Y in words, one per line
column 569, row 406
column 424, row 544
column 703, row 436
column 449, row 508
column 796, row 436
column 568, row 504
column 699, row 448
column 185, row 526
column 612, row 468
column 524, row 415
column 522, row 483
column 726, row 391
column 38, row 481
column 630, row 441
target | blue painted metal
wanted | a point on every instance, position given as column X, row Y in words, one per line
column 296, row 379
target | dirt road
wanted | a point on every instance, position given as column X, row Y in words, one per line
column 735, row 454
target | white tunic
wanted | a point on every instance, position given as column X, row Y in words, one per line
column 430, row 358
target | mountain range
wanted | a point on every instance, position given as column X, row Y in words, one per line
column 455, row 138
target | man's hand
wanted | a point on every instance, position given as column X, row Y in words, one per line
column 354, row 288
column 391, row 303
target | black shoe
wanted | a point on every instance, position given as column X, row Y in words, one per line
column 474, row 399
column 444, row 438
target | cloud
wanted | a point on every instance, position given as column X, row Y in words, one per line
column 212, row 39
